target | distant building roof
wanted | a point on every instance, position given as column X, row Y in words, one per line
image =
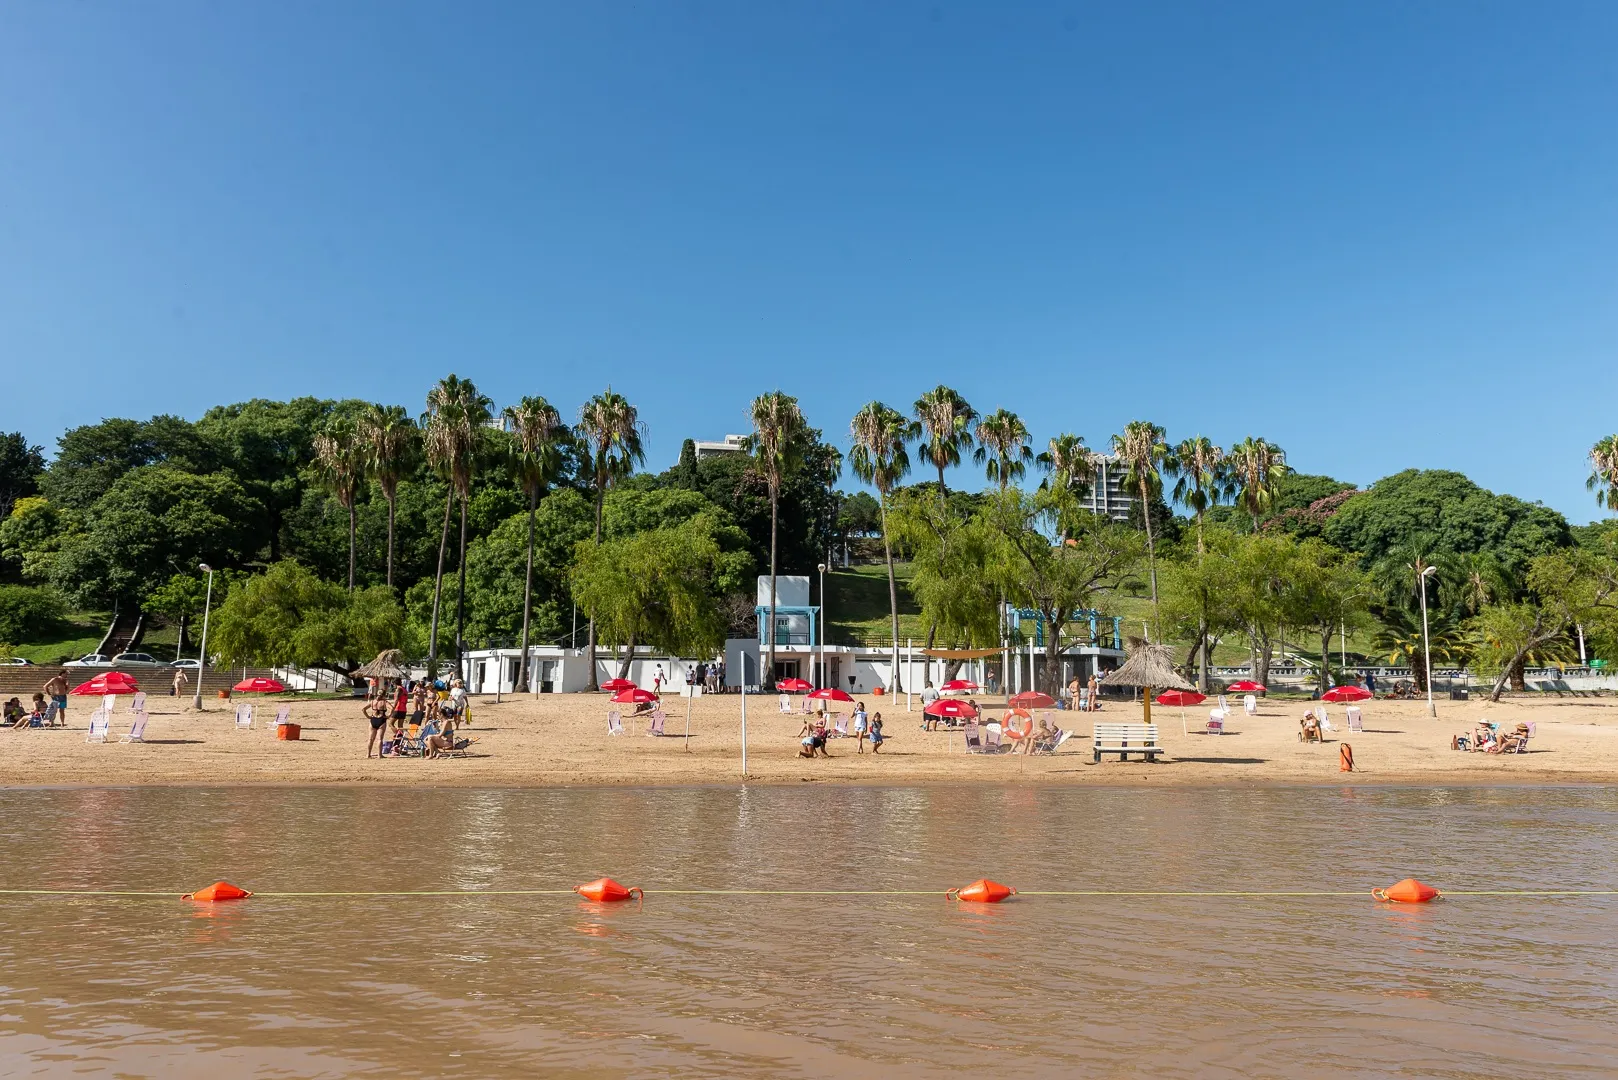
column 733, row 444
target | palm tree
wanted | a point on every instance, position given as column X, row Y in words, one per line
column 391, row 443
column 1255, row 471
column 1003, row 447
column 1604, row 472
column 1071, row 466
column 1202, row 471
column 947, row 420
column 539, row 434
column 880, row 457
column 611, row 431
column 1145, row 456
column 457, row 416
column 340, row 457
column 776, row 444
column 1475, row 581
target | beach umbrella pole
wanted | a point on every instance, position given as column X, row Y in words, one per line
column 690, row 692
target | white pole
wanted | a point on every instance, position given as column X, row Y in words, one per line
column 691, row 692
column 744, row 715
column 202, row 654
column 910, row 671
column 1033, row 683
column 1426, row 644
column 499, row 673
column 1582, row 660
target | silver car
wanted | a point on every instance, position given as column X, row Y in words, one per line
column 94, row 659
column 136, row 659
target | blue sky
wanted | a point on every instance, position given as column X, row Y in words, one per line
column 1381, row 235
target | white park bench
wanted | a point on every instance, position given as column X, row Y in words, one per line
column 1126, row 739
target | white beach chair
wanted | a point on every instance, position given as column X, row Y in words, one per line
column 1216, row 722
column 138, row 702
column 283, row 715
column 1224, row 706
column 974, row 744
column 657, row 722
column 110, row 703
column 1250, row 704
column 785, row 701
column 1356, row 722
column 839, row 727
column 615, row 724
column 991, row 739
column 244, row 717
column 137, row 730
column 98, row 726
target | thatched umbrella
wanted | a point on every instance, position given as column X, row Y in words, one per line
column 1150, row 667
column 389, row 664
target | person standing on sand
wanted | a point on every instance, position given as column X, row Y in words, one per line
column 56, row 690
column 1095, row 688
column 376, row 711
column 178, row 689
column 657, row 680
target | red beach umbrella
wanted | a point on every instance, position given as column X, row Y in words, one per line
column 615, row 685
column 1031, row 699
column 951, row 707
column 1246, row 686
column 1346, row 693
column 1182, row 698
column 634, row 696
column 110, row 682
column 259, row 685
column 955, row 686
column 830, row 693
column 793, row 686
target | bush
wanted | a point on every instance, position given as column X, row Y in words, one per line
column 28, row 613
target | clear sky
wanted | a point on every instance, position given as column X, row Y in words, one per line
column 1382, row 235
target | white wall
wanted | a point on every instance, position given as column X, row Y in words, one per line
column 790, row 590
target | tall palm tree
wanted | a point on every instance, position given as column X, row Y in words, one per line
column 340, row 457
column 880, row 456
column 1255, row 471
column 392, row 441
column 1070, row 463
column 1003, row 448
column 457, row 417
column 611, row 431
column 1202, row 472
column 947, row 420
column 1604, row 472
column 1146, row 457
column 540, row 435
column 776, row 445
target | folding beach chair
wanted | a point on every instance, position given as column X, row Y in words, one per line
column 657, row 722
column 974, row 744
column 136, row 730
column 615, row 724
column 138, row 702
column 1216, row 722
column 839, row 727
column 1356, row 722
column 244, row 717
column 785, row 702
column 110, row 703
column 1250, row 704
column 991, row 739
column 283, row 715
column 98, row 726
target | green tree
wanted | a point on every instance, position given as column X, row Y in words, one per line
column 1003, row 447
column 1070, row 465
column 539, row 434
column 1146, row 458
column 269, row 446
column 90, row 459
column 21, row 467
column 287, row 616
column 340, row 459
column 392, row 445
column 179, row 599
column 777, row 448
column 1603, row 479
column 880, row 456
column 946, row 419
column 611, row 433
column 1254, row 468
column 1324, row 592
column 950, row 556
column 454, row 427
column 29, row 613
column 1201, row 474
column 32, row 535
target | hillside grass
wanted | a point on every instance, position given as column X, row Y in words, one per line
column 81, row 632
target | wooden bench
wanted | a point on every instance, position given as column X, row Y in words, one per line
column 1126, row 739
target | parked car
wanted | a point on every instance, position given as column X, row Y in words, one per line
column 136, row 659
column 94, row 659
column 189, row 665
column 12, row 661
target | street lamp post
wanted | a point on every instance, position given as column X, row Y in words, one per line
column 1426, row 642
column 821, row 636
column 202, row 654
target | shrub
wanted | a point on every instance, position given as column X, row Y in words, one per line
column 28, row 613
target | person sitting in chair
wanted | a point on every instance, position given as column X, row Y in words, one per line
column 1309, row 728
column 444, row 740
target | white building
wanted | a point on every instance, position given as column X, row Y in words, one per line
column 1109, row 490
column 733, row 444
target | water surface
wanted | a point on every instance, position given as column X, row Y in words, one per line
column 791, row 985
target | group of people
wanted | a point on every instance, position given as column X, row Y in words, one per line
column 1083, row 697
column 416, row 703
column 711, row 677
column 49, row 707
column 1485, row 739
column 815, row 733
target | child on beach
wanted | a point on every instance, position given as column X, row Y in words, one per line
column 876, row 733
column 860, row 725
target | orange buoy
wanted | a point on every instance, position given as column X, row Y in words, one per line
column 982, row 891
column 219, row 890
column 1408, row 891
column 1345, row 758
column 607, row 890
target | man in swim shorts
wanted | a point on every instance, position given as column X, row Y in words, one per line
column 56, row 690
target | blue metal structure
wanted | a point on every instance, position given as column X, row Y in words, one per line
column 784, row 633
column 1096, row 620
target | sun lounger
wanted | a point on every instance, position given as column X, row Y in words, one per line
column 839, row 726
column 1356, row 722
column 1250, row 704
column 137, row 704
column 136, row 731
column 615, row 724
column 657, row 723
column 974, row 744
column 98, row 726
column 244, row 717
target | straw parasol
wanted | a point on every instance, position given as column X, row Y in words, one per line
column 389, row 664
column 1150, row 667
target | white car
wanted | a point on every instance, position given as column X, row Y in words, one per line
column 189, row 665
column 12, row 661
column 94, row 659
column 136, row 659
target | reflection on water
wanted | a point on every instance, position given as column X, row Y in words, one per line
column 804, row 985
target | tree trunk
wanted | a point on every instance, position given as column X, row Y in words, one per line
column 460, row 603
column 893, row 596
column 350, row 545
column 438, row 587
column 527, row 593
column 628, row 657
column 1053, row 650
column 590, row 635
column 1266, row 653
column 393, row 502
column 1518, row 682
column 1325, row 658
column 1202, row 664
column 1151, row 555
column 940, row 465
column 767, row 681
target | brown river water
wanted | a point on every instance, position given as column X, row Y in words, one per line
column 808, row 985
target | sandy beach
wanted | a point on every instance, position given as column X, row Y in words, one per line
column 563, row 740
